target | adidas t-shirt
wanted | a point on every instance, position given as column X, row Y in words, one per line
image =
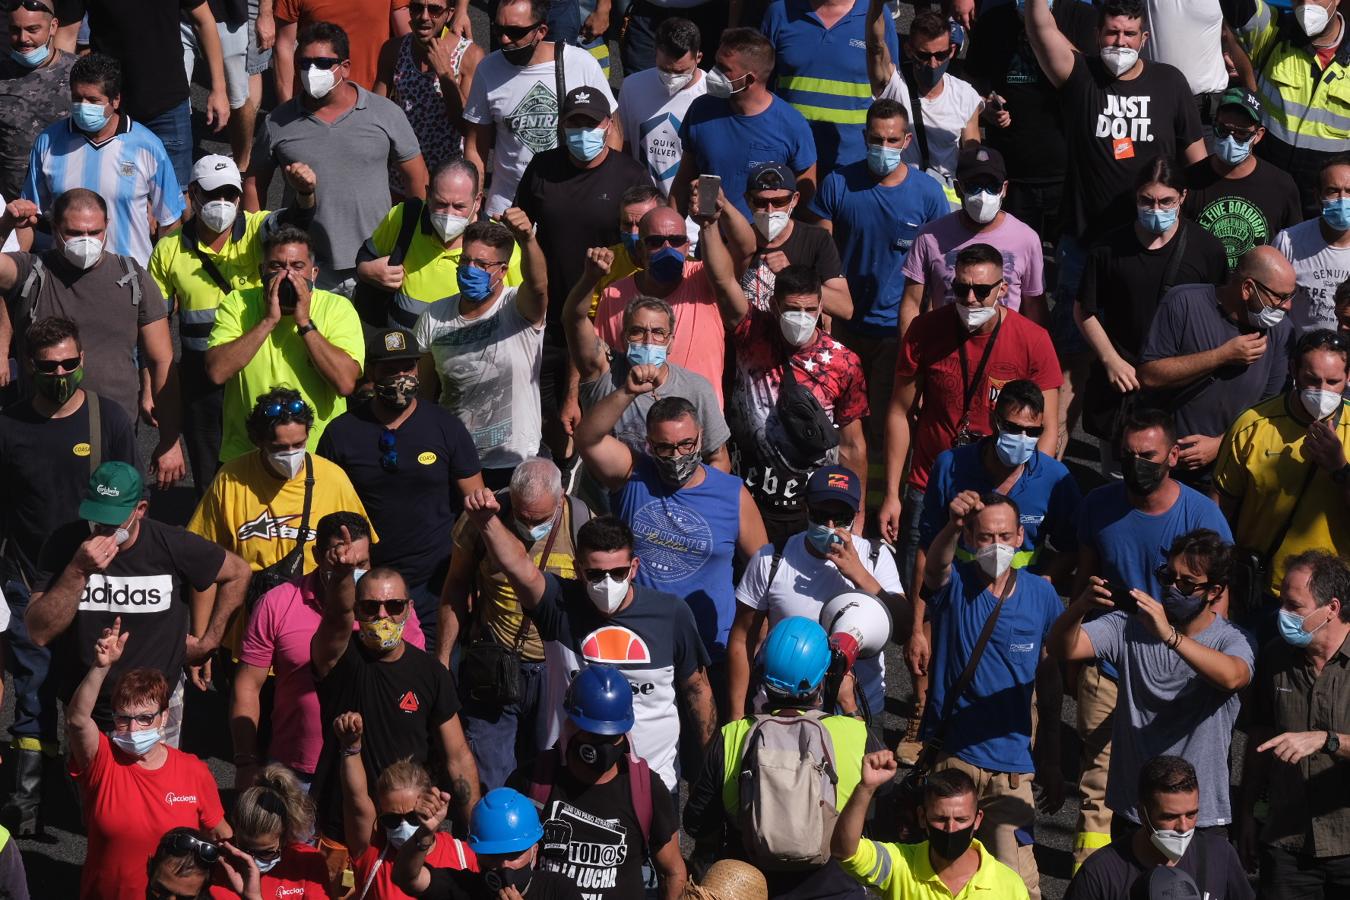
column 653, row 641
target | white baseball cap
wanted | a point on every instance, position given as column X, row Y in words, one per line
column 216, row 171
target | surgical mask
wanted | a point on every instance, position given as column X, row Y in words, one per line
column 137, row 743
column 1014, row 449
column 1232, row 151
column 1171, row 844
column 974, row 317
column 674, row 81
column 770, row 223
column 631, row 240
column 398, row 391
column 982, row 206
column 58, row 388
column 719, row 85
column 925, row 77
column 950, row 844
column 599, row 758
column 533, row 533
column 1319, row 403
column 1336, row 213
column 121, row 535
column 585, row 143
column 1312, row 18
column 88, row 117
column 676, row 470
column 1119, row 60
column 318, row 82
column 1142, row 476
column 448, row 227
column 1291, row 628
column 798, row 326
column 647, row 354
column 287, row 462
column 1157, row 221
column 1182, row 608
column 475, row 284
column 400, row 834
column 1265, row 318
column 218, row 215
column 265, row 866
column 381, row 634
column 83, row 251
column 994, row 560
column 822, row 537
column 607, row 594
column 666, row 265
column 33, row 58
column 882, row 160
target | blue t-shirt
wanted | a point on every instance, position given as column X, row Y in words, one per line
column 991, row 724
column 686, row 540
column 727, row 145
column 1046, row 495
column 874, row 227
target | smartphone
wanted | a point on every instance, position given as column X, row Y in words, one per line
column 1121, row 597
column 709, row 186
column 992, row 102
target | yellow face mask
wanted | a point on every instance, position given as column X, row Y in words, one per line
column 381, row 634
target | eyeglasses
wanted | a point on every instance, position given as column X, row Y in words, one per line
column 1167, row 577
column 48, row 366
column 487, row 265
column 389, row 450
column 683, row 448
column 515, row 33
column 318, row 62
column 1281, row 300
column 966, row 288
column 1007, row 427
column 180, row 843
column 636, row 334
column 289, row 407
column 1159, row 202
column 124, row 720
column 619, row 573
column 369, row 609
column 390, row 821
column 772, row 202
column 657, row 241
column 1242, row 134
column 927, row 59
column 435, row 10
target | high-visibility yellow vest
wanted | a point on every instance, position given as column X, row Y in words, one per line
column 1305, row 107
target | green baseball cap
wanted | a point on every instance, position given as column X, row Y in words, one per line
column 114, row 490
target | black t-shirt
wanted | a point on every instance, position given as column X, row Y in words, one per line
column 1243, row 212
column 44, row 471
column 1110, row 872
column 145, row 37
column 453, row 884
column 575, row 209
column 808, row 245
column 1000, row 59
column 1114, row 129
column 403, row 704
column 1122, row 281
column 146, row 584
column 413, row 508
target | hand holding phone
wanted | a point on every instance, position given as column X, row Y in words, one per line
column 1122, row 598
column 709, row 188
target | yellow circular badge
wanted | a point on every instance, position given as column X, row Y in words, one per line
column 427, row 458
column 80, row 449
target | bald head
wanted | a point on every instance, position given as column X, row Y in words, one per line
column 1268, row 266
column 661, row 220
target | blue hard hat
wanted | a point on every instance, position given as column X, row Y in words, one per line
column 795, row 656
column 600, row 700
column 504, row 822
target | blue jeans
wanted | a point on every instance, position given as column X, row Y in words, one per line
column 34, row 692
column 1071, row 257
column 173, row 127
column 507, row 737
column 564, row 21
column 910, row 513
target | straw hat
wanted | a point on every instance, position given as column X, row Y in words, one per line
column 729, row 879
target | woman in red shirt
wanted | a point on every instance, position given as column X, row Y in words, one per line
column 272, row 821
column 134, row 787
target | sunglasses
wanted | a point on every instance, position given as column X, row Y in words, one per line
column 832, row 517
column 1242, row 134
column 369, row 609
column 48, row 366
column 515, row 32
column 772, row 202
column 290, row 407
column 318, row 62
column 981, row 291
column 263, row 855
column 1321, row 339
column 434, row 10
column 142, row 719
column 34, row 6
column 657, row 241
column 620, row 573
column 180, row 843
column 389, row 451
column 1013, row 428
column 1167, row 577
column 929, row 58
column 390, row 821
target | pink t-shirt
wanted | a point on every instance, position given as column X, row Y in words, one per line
column 700, row 339
column 278, row 637
column 932, row 259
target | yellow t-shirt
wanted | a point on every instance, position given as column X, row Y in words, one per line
column 904, row 871
column 1261, row 465
column 623, row 267
column 283, row 361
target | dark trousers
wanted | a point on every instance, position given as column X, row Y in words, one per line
column 505, row 737
column 202, row 404
column 639, row 38
column 1293, row 876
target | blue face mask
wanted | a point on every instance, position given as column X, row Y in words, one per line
column 474, row 283
column 631, row 240
column 822, row 537
column 647, row 354
column 1336, row 213
column 666, row 265
column 1291, row 629
column 33, row 58
column 1157, row 221
column 1231, row 150
column 585, row 143
column 534, row 533
column 882, row 160
column 137, row 743
column 1014, row 449
column 88, row 117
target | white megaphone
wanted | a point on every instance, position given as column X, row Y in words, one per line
column 859, row 625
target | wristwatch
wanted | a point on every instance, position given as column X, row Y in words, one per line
column 1333, row 743
column 305, row 329
column 1341, row 475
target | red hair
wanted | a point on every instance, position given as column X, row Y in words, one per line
column 140, row 686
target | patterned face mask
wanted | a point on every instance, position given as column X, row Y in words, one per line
column 397, row 391
column 381, row 634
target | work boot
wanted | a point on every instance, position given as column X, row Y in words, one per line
column 910, row 745
column 20, row 812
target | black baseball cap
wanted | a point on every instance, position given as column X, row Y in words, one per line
column 586, row 100
column 771, row 176
column 392, row 343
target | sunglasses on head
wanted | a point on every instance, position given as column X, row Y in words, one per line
column 34, row 6
column 1007, row 427
column 48, row 366
column 390, row 821
column 657, row 241
column 289, row 407
column 966, row 288
column 369, row 609
column 619, row 573
column 389, row 450
column 180, row 843
column 515, row 32
column 318, row 62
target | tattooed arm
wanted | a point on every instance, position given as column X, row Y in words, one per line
column 698, row 697
column 463, row 771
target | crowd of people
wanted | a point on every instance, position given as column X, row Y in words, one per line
column 567, row 447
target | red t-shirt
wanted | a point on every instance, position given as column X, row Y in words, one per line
column 447, row 853
column 127, row 809
column 300, row 875
column 931, row 348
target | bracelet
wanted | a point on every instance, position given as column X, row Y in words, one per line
column 1174, row 641
column 351, row 751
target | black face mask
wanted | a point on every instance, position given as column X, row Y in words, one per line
column 516, row 56
column 1142, row 476
column 599, row 758
column 498, row 879
column 950, row 844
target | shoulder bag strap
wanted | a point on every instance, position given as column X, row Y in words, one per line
column 129, row 280
column 303, row 537
column 560, row 85
column 412, row 216
column 95, row 431
column 916, row 117
column 543, row 564
column 640, row 793
column 973, row 384
column 208, row 264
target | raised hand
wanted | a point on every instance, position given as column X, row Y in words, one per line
column 108, row 648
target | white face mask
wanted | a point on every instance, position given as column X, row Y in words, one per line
column 399, row 836
column 288, row 462
column 83, row 251
column 1319, row 403
column 770, row 223
column 265, row 866
column 318, row 82
column 218, row 215
column 1312, row 18
column 982, row 206
column 1119, row 60
column 1171, row 844
column 607, row 594
column 121, row 536
column 994, row 559
column 1266, row 318
column 447, row 226
column 974, row 317
column 674, row 81
column 798, row 326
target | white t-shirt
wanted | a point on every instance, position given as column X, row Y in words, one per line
column 943, row 118
column 522, row 105
column 803, row 585
column 651, row 122
column 1318, row 269
column 1187, row 34
column 12, row 242
column 489, row 374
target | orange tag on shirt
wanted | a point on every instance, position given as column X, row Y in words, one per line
column 1123, row 148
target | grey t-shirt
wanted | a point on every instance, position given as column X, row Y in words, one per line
column 1189, row 320
column 1165, row 707
column 351, row 160
column 632, row 427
